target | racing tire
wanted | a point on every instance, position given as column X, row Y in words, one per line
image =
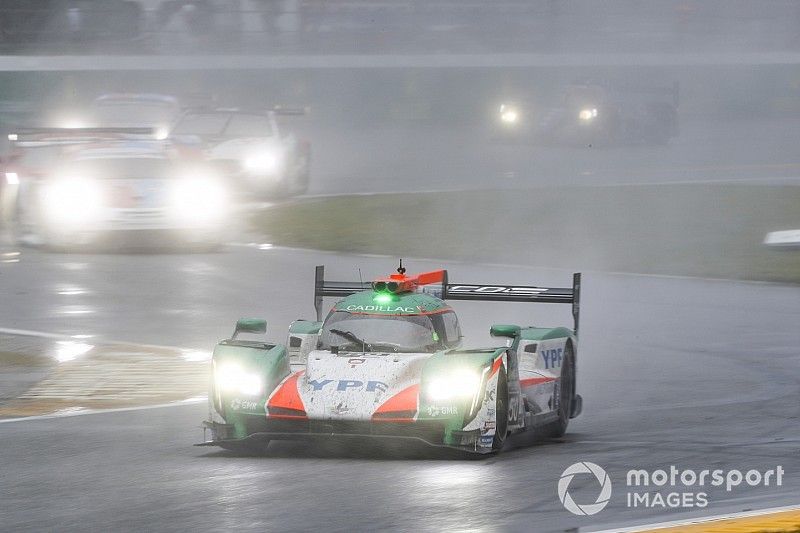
column 565, row 389
column 501, row 413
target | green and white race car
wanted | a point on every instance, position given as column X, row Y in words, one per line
column 387, row 363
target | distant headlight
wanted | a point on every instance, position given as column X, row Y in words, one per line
column 232, row 378
column 587, row 114
column 199, row 199
column 267, row 161
column 72, row 201
column 12, row 178
column 509, row 114
column 160, row 133
column 461, row 384
column 70, row 123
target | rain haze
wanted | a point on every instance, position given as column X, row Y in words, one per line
column 560, row 251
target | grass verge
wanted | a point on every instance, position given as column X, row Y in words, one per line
column 708, row 230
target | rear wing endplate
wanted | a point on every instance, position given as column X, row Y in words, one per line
column 467, row 292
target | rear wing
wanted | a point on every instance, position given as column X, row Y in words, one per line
column 458, row 291
column 52, row 136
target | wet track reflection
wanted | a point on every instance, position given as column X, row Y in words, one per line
column 673, row 371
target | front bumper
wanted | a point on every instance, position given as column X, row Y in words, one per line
column 428, row 433
column 134, row 238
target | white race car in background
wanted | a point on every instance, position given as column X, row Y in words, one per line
column 249, row 148
column 157, row 112
column 124, row 193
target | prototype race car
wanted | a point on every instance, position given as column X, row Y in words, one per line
column 249, row 148
column 595, row 113
column 387, row 363
column 73, row 192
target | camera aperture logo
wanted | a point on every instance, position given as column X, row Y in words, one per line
column 586, row 509
column 663, row 488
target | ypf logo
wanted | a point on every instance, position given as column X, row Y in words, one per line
column 587, row 509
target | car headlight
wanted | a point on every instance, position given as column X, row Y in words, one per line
column 266, row 161
column 199, row 199
column 461, row 384
column 587, row 114
column 160, row 133
column 72, row 201
column 233, row 378
column 509, row 114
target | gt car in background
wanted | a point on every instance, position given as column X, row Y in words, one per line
column 387, row 363
column 113, row 193
column 595, row 113
column 156, row 112
column 128, row 110
column 249, row 148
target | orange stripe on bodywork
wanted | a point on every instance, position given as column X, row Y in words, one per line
column 496, row 366
column 288, row 397
column 535, row 381
column 405, row 400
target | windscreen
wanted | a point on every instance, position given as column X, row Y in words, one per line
column 249, row 126
column 202, row 124
column 394, row 333
column 124, row 113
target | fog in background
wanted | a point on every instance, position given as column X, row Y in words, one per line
column 426, row 128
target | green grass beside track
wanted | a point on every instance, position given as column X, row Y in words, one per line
column 708, row 230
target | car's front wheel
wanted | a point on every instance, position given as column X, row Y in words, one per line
column 501, row 413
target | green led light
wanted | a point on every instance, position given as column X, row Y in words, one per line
column 382, row 298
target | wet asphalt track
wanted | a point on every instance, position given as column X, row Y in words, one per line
column 699, row 374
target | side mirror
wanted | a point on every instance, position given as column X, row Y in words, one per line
column 504, row 330
column 250, row 325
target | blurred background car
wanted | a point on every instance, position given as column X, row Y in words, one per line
column 591, row 112
column 249, row 148
column 156, row 112
column 114, row 194
column 127, row 110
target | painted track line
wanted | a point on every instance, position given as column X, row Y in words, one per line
column 723, row 522
column 188, row 401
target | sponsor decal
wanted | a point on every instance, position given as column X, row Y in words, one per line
column 494, row 289
column 340, row 409
column 382, row 309
column 344, row 385
column 237, row 404
column 486, row 440
column 489, row 424
column 552, row 358
column 444, row 410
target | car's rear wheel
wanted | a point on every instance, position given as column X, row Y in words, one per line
column 501, row 413
column 565, row 392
